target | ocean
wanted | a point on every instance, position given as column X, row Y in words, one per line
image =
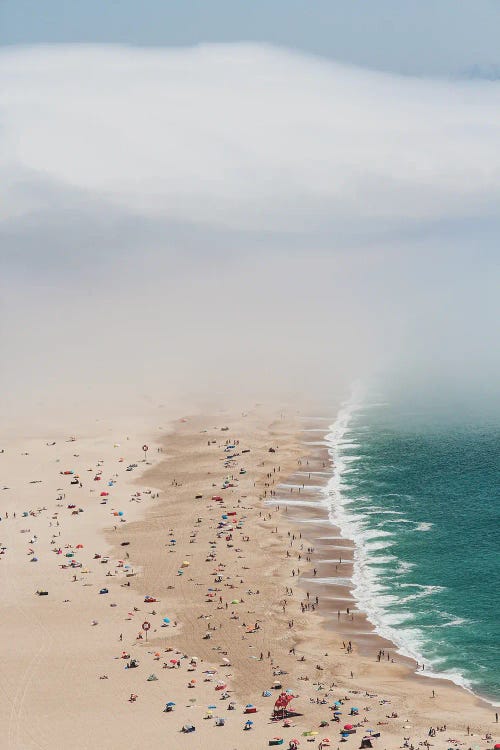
column 417, row 489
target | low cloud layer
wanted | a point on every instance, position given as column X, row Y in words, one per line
column 238, row 216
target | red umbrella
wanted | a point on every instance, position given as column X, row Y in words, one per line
column 348, row 726
column 104, row 494
column 79, row 546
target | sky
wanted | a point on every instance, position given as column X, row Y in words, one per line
column 238, row 220
column 436, row 37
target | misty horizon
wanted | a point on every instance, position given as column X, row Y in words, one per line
column 241, row 218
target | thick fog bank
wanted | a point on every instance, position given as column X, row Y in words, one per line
column 239, row 220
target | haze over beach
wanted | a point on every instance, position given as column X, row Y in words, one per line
column 268, row 254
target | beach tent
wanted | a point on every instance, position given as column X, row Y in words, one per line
column 282, row 703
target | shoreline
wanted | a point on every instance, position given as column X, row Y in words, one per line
column 311, row 513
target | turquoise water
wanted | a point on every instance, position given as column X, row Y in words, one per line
column 419, row 494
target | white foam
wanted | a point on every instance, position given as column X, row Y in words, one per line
column 422, row 593
column 372, row 595
column 424, row 526
column 404, row 567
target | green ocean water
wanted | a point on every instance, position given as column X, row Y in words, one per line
column 419, row 493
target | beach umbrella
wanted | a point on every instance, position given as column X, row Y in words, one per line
column 235, row 601
column 79, row 546
column 170, row 703
column 347, row 727
column 212, row 708
column 497, row 746
column 166, row 619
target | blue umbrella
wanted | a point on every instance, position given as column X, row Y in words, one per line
column 166, row 619
column 170, row 703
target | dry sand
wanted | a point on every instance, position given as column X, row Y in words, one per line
column 64, row 683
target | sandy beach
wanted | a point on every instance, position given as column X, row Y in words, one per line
column 192, row 563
